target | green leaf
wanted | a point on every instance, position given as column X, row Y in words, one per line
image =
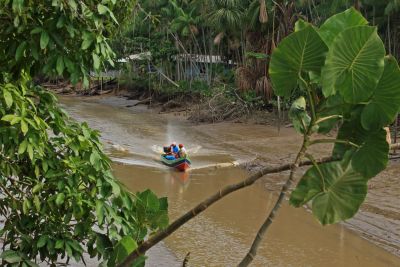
column 60, row 65
column 36, row 30
column 59, row 244
column 163, row 203
column 340, row 22
column 9, row 101
column 299, row 53
column 335, row 189
column 26, row 206
column 103, row 243
column 11, row 256
column 334, row 105
column 34, row 52
column 162, row 220
column 24, row 127
column 100, row 211
column 69, row 64
column 75, row 245
column 44, row 40
column 87, row 40
column 30, row 151
column 150, row 200
column 354, row 64
column 385, row 103
column 20, row 51
column 37, row 203
column 96, row 61
column 22, row 147
column 116, row 189
column 8, row 117
column 42, row 241
column 301, row 25
column 17, row 6
column 102, row 9
column 60, row 199
column 124, row 247
column 60, row 22
column 373, row 155
column 69, row 250
column 113, row 17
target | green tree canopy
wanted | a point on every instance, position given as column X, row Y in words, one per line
column 58, row 197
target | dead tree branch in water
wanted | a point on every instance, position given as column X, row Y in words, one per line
column 154, row 239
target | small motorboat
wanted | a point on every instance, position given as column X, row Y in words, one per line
column 181, row 164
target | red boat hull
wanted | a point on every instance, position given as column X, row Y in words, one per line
column 183, row 166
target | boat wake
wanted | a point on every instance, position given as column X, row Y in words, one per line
column 153, row 159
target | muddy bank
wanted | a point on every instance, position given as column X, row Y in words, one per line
column 222, row 234
column 220, row 104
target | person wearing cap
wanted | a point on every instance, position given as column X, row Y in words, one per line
column 182, row 151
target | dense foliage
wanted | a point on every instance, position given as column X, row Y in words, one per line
column 58, row 197
column 347, row 80
column 240, row 34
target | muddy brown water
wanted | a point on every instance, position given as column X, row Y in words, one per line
column 223, row 233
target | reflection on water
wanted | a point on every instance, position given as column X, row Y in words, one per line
column 222, row 234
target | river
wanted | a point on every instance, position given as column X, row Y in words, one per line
column 222, row 234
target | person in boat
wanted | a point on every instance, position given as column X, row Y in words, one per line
column 174, row 148
column 182, row 151
column 168, row 153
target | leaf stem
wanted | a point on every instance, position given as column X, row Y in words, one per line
column 310, row 99
column 328, row 118
column 329, row 141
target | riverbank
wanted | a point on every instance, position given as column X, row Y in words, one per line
column 377, row 221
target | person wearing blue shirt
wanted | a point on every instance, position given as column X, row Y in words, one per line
column 174, row 148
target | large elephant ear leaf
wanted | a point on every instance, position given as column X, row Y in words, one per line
column 335, row 189
column 333, row 105
column 373, row 155
column 340, row 22
column 300, row 52
column 385, row 103
column 352, row 131
column 354, row 64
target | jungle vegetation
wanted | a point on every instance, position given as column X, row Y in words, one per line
column 58, row 196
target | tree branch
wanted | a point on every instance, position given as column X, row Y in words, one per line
column 157, row 237
column 207, row 203
column 261, row 232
